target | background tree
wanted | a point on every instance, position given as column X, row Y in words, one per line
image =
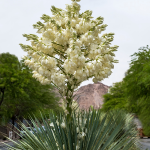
column 133, row 93
column 22, row 93
column 115, row 99
column 137, row 82
column 9, row 67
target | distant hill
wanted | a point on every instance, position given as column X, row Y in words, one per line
column 91, row 94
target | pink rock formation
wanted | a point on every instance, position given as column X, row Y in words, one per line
column 91, row 94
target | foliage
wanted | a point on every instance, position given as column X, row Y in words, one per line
column 9, row 72
column 9, row 65
column 132, row 94
column 23, row 94
column 137, row 82
column 115, row 99
column 93, row 130
column 70, row 50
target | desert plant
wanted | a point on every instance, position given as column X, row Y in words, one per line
column 70, row 50
column 92, row 130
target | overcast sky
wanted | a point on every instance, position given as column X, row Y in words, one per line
column 128, row 19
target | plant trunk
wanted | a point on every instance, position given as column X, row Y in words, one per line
column 69, row 109
column 69, row 98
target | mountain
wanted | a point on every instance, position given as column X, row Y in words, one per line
column 91, row 94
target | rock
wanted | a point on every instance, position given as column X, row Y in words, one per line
column 91, row 95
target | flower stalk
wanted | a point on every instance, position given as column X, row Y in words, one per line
column 70, row 50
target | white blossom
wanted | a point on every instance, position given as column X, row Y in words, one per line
column 70, row 49
column 77, row 129
column 63, row 125
column 51, row 124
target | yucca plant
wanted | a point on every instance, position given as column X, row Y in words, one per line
column 92, row 130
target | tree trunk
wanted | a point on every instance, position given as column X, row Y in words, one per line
column 13, row 123
column 2, row 90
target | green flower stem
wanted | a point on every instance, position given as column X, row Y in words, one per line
column 69, row 99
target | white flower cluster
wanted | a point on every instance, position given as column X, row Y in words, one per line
column 70, row 49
